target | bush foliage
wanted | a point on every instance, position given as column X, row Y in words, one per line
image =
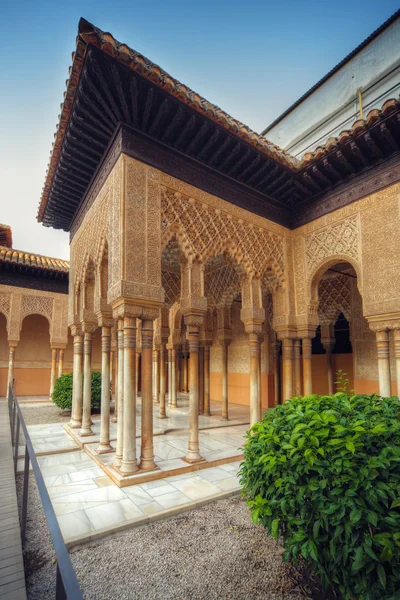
column 62, row 393
column 322, row 473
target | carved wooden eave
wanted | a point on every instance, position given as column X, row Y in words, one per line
column 165, row 124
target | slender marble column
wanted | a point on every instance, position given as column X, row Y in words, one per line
column 382, row 346
column 137, row 365
column 307, row 366
column 11, row 360
column 277, row 373
column 260, row 409
column 104, row 445
column 193, row 454
column 397, row 356
column 254, row 390
column 111, row 370
column 147, row 449
column 120, row 393
column 60, row 362
column 328, row 346
column 174, row 403
column 157, row 376
column 169, row 376
column 116, row 397
column 207, row 410
column 297, row 367
column 185, row 372
column 87, row 386
column 287, row 359
column 129, row 463
column 224, row 349
column 201, row 380
column 163, row 382
column 53, row 369
column 77, row 397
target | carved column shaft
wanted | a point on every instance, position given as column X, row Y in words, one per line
column 328, row 344
column 307, row 366
column 156, row 376
column 129, row 463
column 87, row 385
column 277, row 373
column 224, row 355
column 53, row 373
column 120, row 393
column 163, row 382
column 254, row 345
column 207, row 410
column 11, row 360
column 60, row 362
column 382, row 347
column 287, row 360
column 169, row 377
column 201, row 380
column 147, row 451
column 174, row 402
column 116, row 398
column 104, row 445
column 193, row 454
column 297, row 367
column 77, row 392
column 185, row 372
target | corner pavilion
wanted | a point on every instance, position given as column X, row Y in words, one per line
column 209, row 259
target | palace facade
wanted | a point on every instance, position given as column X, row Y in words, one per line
column 210, row 259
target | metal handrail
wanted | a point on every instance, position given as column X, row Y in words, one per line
column 67, row 586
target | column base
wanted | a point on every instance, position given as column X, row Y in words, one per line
column 75, row 424
column 114, row 420
column 86, row 432
column 117, row 463
column 128, row 467
column 193, row 457
column 207, row 414
column 104, row 449
column 224, row 418
column 148, row 464
column 162, row 417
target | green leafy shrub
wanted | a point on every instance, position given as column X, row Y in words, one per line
column 62, row 393
column 323, row 474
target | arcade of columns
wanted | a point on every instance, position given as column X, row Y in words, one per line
column 150, row 252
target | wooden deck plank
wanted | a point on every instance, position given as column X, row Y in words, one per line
column 12, row 577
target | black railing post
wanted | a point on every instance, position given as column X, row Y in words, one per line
column 25, row 491
column 60, row 590
column 16, row 446
column 13, row 422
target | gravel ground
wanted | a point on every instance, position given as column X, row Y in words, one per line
column 212, row 553
column 41, row 415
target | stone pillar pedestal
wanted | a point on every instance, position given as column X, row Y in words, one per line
column 287, row 359
column 307, row 366
column 147, row 450
column 86, row 428
column 163, row 382
column 207, row 408
column 129, row 463
column 11, row 361
column 120, row 393
column 104, row 445
column 77, row 392
column 53, row 374
column 382, row 346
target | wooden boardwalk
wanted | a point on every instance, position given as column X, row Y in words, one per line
column 12, row 576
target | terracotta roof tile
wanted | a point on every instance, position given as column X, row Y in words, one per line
column 11, row 255
column 5, row 236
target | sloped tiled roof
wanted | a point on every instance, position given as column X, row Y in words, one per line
column 36, row 261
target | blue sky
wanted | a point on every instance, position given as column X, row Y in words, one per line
column 252, row 58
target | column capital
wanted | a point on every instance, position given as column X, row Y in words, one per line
column 105, row 319
column 388, row 321
column 284, row 333
column 76, row 330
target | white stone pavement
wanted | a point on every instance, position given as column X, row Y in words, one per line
column 89, row 505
